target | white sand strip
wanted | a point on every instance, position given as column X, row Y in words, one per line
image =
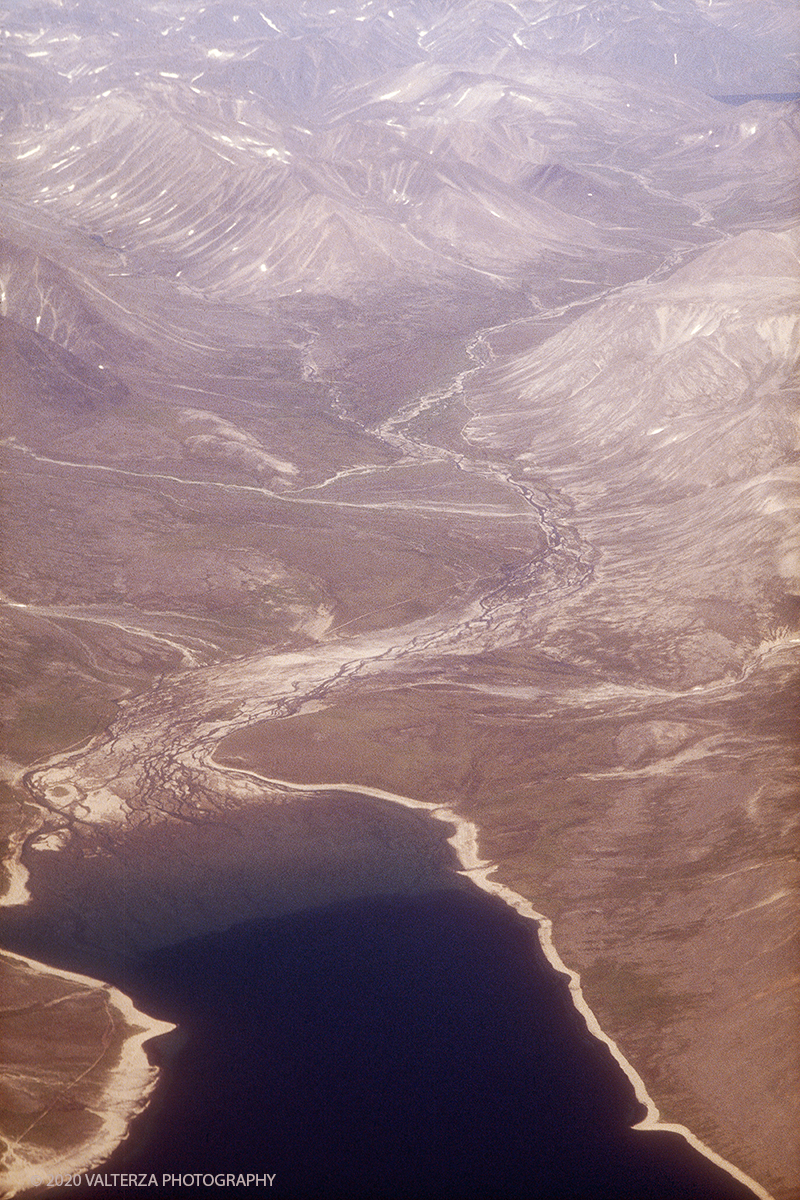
column 465, row 842
column 126, row 1089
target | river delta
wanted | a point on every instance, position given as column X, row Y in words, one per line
column 400, row 549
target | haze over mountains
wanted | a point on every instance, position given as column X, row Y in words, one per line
column 404, row 395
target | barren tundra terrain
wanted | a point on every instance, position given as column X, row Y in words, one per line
column 400, row 419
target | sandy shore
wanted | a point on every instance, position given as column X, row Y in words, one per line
column 77, row 1071
column 465, row 841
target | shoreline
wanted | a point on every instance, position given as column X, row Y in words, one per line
column 465, row 843
column 125, row 1092
column 135, row 1077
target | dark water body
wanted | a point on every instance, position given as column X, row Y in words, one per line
column 392, row 1046
column 355, row 1018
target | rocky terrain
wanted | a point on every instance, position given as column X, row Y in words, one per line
column 402, row 399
